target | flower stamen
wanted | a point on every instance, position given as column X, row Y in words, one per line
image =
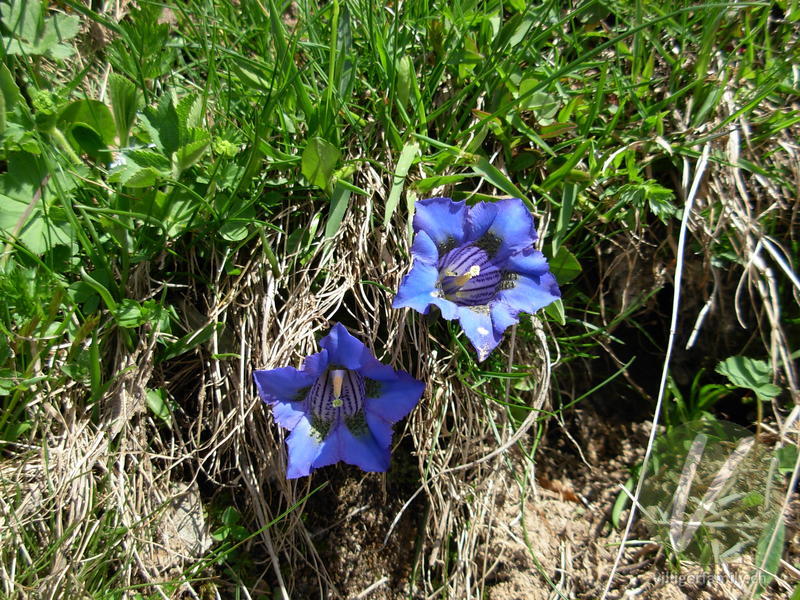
column 474, row 271
column 338, row 378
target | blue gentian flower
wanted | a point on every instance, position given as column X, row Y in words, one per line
column 478, row 265
column 340, row 406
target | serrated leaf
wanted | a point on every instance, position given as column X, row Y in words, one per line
column 23, row 18
column 749, row 373
column 190, row 112
column 148, row 158
column 188, row 155
column 319, row 161
column 125, row 101
column 407, row 156
column 163, row 125
column 132, row 175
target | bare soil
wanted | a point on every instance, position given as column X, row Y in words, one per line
column 560, row 537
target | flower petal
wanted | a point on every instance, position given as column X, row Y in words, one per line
column 418, row 288
column 281, row 384
column 396, row 397
column 503, row 317
column 480, row 217
column 441, row 218
column 288, row 414
column 381, row 430
column 507, row 221
column 363, row 451
column 343, row 349
column 527, row 262
column 316, row 364
column 331, row 449
column 448, row 308
column 303, row 449
column 530, row 293
column 424, row 249
column 367, row 451
column 477, row 324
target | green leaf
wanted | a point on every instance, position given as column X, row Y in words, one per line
column 236, row 227
column 24, row 18
column 191, row 341
column 787, row 458
column 128, row 314
column 345, row 67
column 564, row 266
column 543, row 105
column 555, row 310
column 148, row 158
column 230, row 516
column 157, row 403
column 249, row 76
column 407, row 156
column 190, row 112
column 405, row 77
column 564, row 170
column 621, row 503
column 9, row 88
column 494, row 176
column 339, row 201
column 90, row 142
column 13, row 431
column 125, row 102
column 58, row 29
column 749, row 373
column 568, row 197
column 91, row 113
column 424, row 186
column 768, row 556
column 162, row 123
column 135, row 176
column 26, row 191
column 188, row 155
column 319, row 161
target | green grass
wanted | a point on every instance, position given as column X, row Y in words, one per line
column 157, row 167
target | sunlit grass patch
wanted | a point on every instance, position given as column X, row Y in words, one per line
column 193, row 191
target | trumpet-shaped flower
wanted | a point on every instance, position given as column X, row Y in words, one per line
column 477, row 264
column 340, row 406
